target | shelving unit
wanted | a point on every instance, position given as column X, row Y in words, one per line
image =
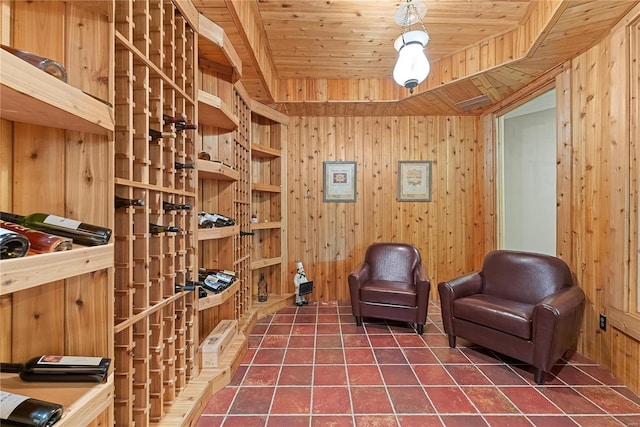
column 60, row 136
column 155, row 327
column 88, row 140
column 268, row 204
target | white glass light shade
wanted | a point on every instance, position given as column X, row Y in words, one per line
column 412, row 66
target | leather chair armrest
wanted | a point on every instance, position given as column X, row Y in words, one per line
column 462, row 286
column 359, row 275
column 356, row 278
column 423, row 289
column 459, row 287
column 556, row 325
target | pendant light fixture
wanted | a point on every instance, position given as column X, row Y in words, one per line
column 412, row 66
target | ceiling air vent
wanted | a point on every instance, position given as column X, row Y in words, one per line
column 473, row 103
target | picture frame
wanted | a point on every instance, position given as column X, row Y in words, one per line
column 339, row 182
column 414, row 180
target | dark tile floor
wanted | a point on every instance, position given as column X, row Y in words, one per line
column 312, row 366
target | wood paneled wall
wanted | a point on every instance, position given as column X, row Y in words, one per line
column 597, row 193
column 331, row 238
column 597, row 117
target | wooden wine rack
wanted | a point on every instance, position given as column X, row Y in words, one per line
column 84, row 141
column 155, row 327
column 55, row 157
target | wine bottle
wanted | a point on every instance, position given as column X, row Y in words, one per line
column 47, row 65
column 12, row 244
column 157, row 229
column 188, row 287
column 179, row 165
column 81, row 233
column 182, row 126
column 16, row 409
column 167, row 206
column 211, row 283
column 156, row 134
column 203, row 155
column 225, row 276
column 40, row 241
column 191, row 285
column 217, row 219
column 122, row 202
column 173, row 119
column 204, row 222
column 50, row 368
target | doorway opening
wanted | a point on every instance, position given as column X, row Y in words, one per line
column 527, row 176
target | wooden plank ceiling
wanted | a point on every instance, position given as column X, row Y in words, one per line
column 335, row 57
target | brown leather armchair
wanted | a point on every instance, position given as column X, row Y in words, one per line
column 391, row 284
column 521, row 304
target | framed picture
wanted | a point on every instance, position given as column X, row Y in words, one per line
column 339, row 181
column 414, row 181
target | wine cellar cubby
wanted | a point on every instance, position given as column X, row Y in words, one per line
column 55, row 156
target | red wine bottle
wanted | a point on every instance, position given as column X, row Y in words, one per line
column 156, row 134
column 81, row 233
column 173, row 119
column 181, row 126
column 19, row 410
column 12, row 244
column 50, row 368
column 40, row 241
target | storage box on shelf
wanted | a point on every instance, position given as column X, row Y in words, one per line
column 156, row 327
column 59, row 135
column 268, row 205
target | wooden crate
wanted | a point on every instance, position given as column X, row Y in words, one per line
column 214, row 346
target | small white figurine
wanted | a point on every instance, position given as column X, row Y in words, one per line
column 300, row 277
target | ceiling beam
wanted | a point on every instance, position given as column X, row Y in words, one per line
column 248, row 21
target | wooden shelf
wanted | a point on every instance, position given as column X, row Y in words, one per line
column 218, row 232
column 82, row 402
column 266, row 225
column 213, row 111
column 214, row 45
column 258, row 150
column 216, row 170
column 265, row 262
column 267, row 188
column 31, row 271
column 272, row 304
column 218, row 299
column 30, row 95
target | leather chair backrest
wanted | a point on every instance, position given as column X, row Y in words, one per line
column 392, row 261
column 523, row 276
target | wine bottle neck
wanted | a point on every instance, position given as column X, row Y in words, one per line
column 6, row 216
column 11, row 368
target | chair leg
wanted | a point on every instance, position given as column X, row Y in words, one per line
column 452, row 341
column 358, row 321
column 420, row 329
column 538, row 376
